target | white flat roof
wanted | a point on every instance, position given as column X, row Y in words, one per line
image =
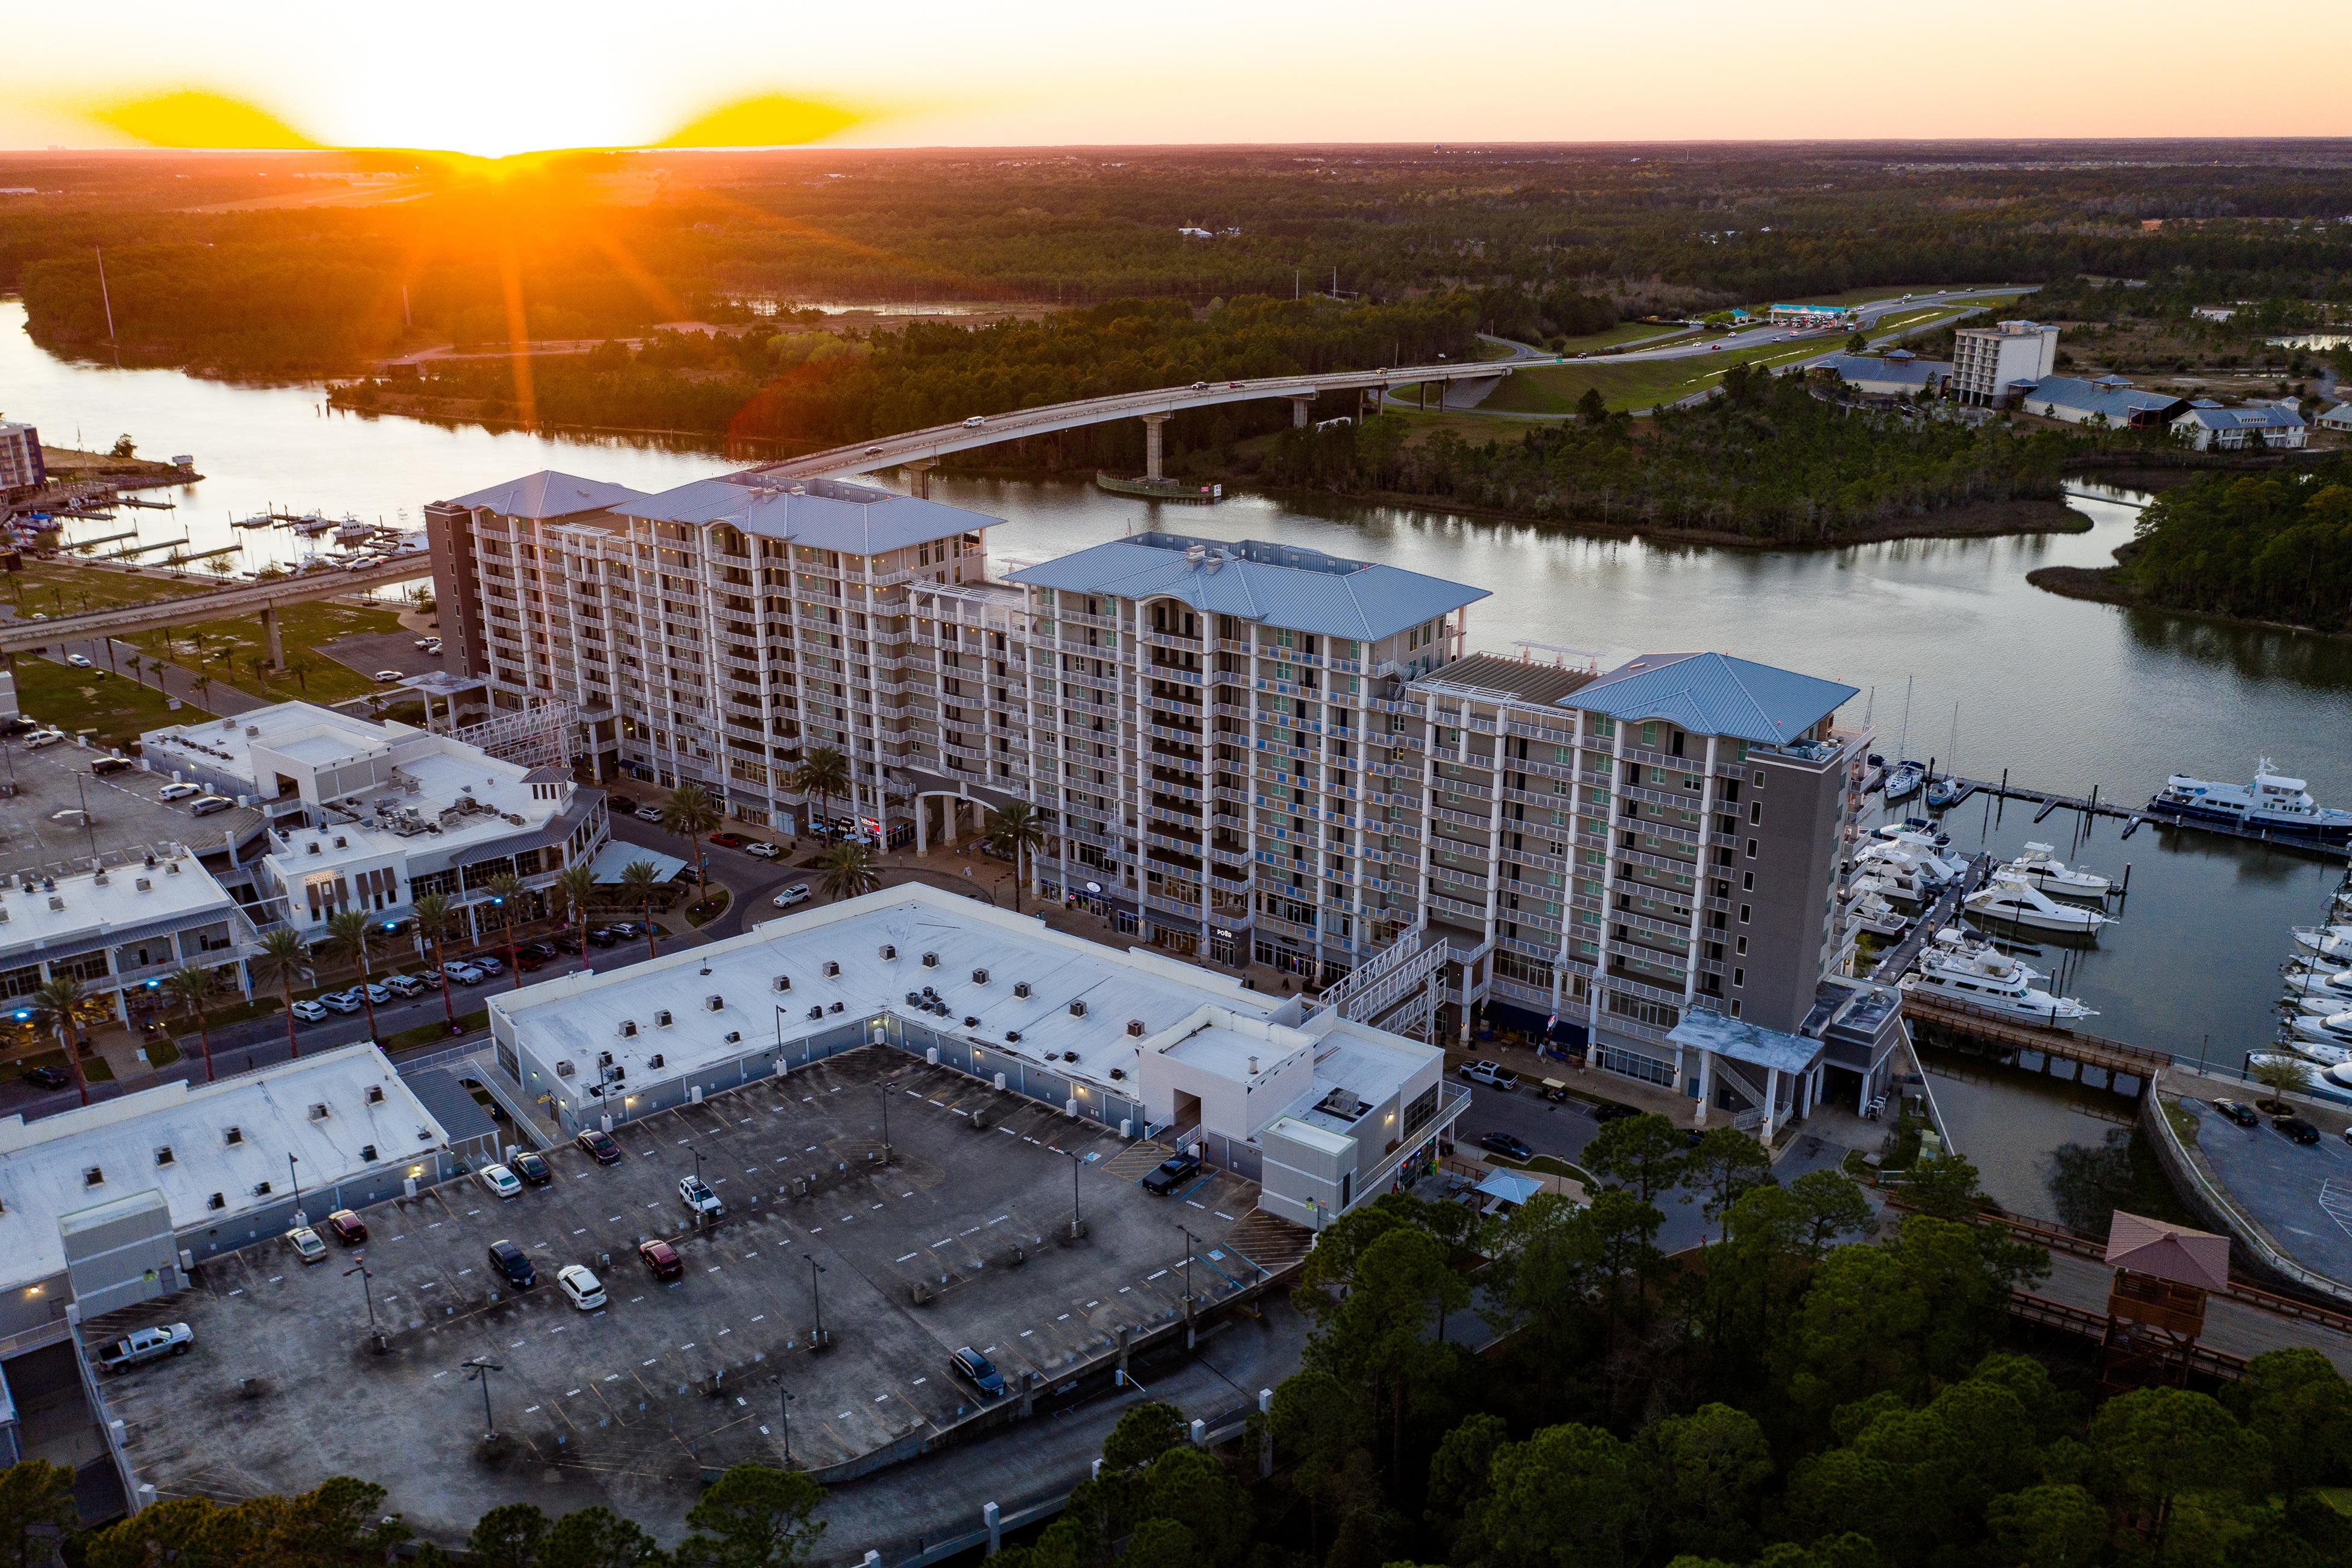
column 319, row 736
column 45, row 1165
column 70, row 911
column 577, row 1017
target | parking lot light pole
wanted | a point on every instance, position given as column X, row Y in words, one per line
column 1191, row 1245
column 697, row 1161
column 817, row 1301
column 1077, row 1225
column 889, row 1087
column 294, row 1179
column 359, row 1266
column 787, row 1404
column 479, row 1370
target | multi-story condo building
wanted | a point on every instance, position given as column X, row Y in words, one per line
column 1987, row 362
column 21, row 464
column 1240, row 751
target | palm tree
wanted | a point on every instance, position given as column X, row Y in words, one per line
column 55, row 1007
column 573, row 889
column 203, row 690
column 1015, row 830
column 190, row 986
column 283, row 960
column 434, row 917
column 300, row 668
column 690, row 814
column 134, row 661
column 639, row 882
column 822, row 773
column 348, row 931
column 849, row 870
column 505, row 896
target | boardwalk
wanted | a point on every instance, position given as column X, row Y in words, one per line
column 1896, row 961
column 2233, row 1326
column 1984, row 1025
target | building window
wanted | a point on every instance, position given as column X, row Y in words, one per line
column 1738, row 978
column 1748, row 881
column 1756, row 814
column 1751, row 849
column 1743, row 914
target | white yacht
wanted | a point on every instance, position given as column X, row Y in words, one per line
column 2333, row 1030
column 1871, row 885
column 2317, row 988
column 2011, row 899
column 2273, row 805
column 1902, row 781
column 1969, row 969
column 1872, row 912
column 2331, row 939
column 2041, row 865
column 1916, row 829
column 1914, row 852
column 2325, row 1054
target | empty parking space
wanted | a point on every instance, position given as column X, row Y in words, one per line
column 960, row 1238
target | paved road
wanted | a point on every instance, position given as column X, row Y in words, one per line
column 2232, row 1327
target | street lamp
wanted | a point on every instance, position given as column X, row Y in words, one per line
column 1191, row 1244
column 478, row 1370
column 296, row 1180
column 698, row 1162
column 359, row 1266
column 816, row 1302
column 1078, row 1160
column 889, row 1088
column 786, row 1403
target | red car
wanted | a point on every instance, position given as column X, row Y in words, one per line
column 729, row 840
column 599, row 1146
column 661, row 1260
column 347, row 1227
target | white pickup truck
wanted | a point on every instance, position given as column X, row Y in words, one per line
column 145, row 1345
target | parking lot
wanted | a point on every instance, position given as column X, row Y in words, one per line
column 960, row 1240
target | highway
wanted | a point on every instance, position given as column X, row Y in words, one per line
column 244, row 598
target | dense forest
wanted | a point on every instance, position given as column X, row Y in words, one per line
column 1770, row 462
column 228, row 261
column 1826, row 1385
column 2274, row 546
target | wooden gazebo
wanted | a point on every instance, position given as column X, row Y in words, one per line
column 2156, row 1306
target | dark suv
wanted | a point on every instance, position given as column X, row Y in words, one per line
column 530, row 1168
column 2296, row 1129
column 1171, row 1173
column 513, row 1264
column 979, row 1371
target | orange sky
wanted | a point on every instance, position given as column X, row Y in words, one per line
column 503, row 78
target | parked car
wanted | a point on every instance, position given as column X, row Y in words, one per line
column 1508, row 1147
column 545, row 951
column 1171, row 1173
column 798, row 893
column 528, row 963
column 978, row 1371
column 1494, row 1075
column 532, row 1169
column 603, row 936
column 374, row 991
column 307, row 1245
column 339, row 1001
column 144, row 1345
column 647, row 814
column 697, row 1195
column 347, row 1227
column 580, row 1286
column 499, row 1182
column 762, row 850
column 729, row 840
column 513, row 1264
column 599, row 1147
column 567, row 942
column 433, row 646
column 625, row 930
column 39, row 738
column 49, row 1077
column 107, row 766
column 421, row 643
column 206, row 804
column 390, row 675
column 619, row 802
column 2296, row 1129
column 406, row 984
column 461, row 972
column 2243, row 1115
column 78, row 660
column 308, row 1011
column 661, row 1260
column 181, row 791
column 488, row 964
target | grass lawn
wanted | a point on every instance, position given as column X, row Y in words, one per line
column 116, row 707
column 1640, row 384
column 435, row 1033
column 63, row 588
column 709, row 909
column 303, row 628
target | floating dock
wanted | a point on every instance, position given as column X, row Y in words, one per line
column 1159, row 489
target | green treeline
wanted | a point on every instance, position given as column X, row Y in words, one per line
column 1796, row 1395
column 1768, row 460
column 776, row 390
column 2274, row 547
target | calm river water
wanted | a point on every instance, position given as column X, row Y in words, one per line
column 2065, row 695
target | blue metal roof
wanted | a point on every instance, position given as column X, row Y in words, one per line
column 1714, row 694
column 1704, row 1029
column 825, row 514
column 2119, row 401
column 1902, row 369
column 547, row 493
column 1275, row 584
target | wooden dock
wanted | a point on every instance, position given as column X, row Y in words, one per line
column 1896, row 961
column 1983, row 1026
column 2133, row 817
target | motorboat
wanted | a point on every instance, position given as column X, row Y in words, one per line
column 1870, row 885
column 2333, row 1030
column 1901, row 876
column 1915, row 829
column 2297, row 969
column 2319, row 938
column 1943, row 791
column 1873, row 913
column 2012, row 899
column 2041, row 865
column 2273, row 806
column 2325, row 1055
column 1918, row 856
column 1968, row 969
column 2318, row 1003
column 1902, row 781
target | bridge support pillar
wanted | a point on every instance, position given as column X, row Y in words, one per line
column 276, row 635
column 1300, row 408
column 1152, row 449
column 919, row 477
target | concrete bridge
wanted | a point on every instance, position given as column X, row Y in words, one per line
column 919, row 451
column 245, row 599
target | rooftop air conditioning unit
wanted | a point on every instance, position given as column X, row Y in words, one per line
column 318, row 1111
column 713, row 1003
column 817, row 1011
column 1079, row 1008
column 655, row 1062
column 931, row 961
column 235, row 1135
column 1021, row 988
column 1135, row 1027
column 261, row 1189
column 979, row 977
column 375, row 1094
column 970, row 1021
column 604, row 1059
column 661, row 1018
column 836, row 1007
column 734, row 1037
column 888, row 953
column 146, row 885
column 566, row 1070
column 783, row 983
column 367, row 1152
column 628, row 1031
column 832, row 970
column 1012, row 1036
